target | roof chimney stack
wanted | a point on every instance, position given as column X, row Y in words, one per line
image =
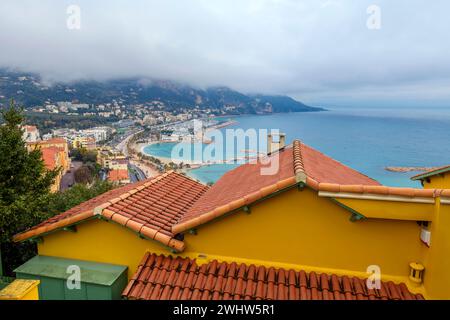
column 278, row 144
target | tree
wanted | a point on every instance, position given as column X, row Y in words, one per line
column 63, row 201
column 83, row 155
column 24, row 187
column 83, row 175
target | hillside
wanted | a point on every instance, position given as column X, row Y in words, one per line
column 29, row 90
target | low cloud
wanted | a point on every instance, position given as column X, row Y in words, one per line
column 319, row 51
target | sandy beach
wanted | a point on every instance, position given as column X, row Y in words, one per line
column 149, row 170
column 139, row 147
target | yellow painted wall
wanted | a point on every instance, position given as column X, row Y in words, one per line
column 438, row 182
column 301, row 228
column 100, row 241
column 294, row 229
column 391, row 209
column 437, row 261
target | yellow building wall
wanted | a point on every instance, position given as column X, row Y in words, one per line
column 100, row 241
column 295, row 229
column 437, row 261
column 440, row 181
column 298, row 227
column 391, row 209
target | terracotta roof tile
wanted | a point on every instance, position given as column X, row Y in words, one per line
column 151, row 210
column 247, row 183
column 171, row 203
column 222, row 281
column 49, row 155
column 118, row 175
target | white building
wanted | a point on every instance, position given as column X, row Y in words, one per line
column 31, row 134
column 99, row 133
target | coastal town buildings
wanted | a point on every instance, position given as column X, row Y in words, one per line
column 53, row 158
column 316, row 229
column 110, row 158
column 83, row 142
column 100, row 134
column 31, row 134
column 87, row 138
column 115, row 163
column 119, row 176
column 55, row 153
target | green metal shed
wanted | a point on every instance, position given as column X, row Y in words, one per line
column 98, row 281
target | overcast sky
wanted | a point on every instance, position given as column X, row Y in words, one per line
column 319, row 51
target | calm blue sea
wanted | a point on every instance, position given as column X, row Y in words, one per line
column 367, row 139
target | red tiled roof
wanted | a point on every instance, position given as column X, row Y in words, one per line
column 118, row 175
column 166, row 278
column 169, row 204
column 246, row 184
column 148, row 207
column 78, row 211
column 49, row 155
column 153, row 209
column 324, row 169
column 51, row 141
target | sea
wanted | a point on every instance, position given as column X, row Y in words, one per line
column 366, row 139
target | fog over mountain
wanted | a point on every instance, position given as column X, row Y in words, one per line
column 321, row 52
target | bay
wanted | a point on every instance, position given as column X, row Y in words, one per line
column 366, row 139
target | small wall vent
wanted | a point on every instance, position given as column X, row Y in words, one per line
column 425, row 236
column 416, row 272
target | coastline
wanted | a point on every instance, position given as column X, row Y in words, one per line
column 139, row 147
column 309, row 121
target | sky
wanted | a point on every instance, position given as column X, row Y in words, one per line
column 322, row 52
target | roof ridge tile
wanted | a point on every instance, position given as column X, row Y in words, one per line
column 299, row 169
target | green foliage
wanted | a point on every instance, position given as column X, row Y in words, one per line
column 24, row 185
column 83, row 155
column 63, row 201
column 84, row 175
column 24, row 181
column 25, row 198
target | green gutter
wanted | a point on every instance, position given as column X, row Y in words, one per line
column 69, row 228
column 430, row 174
column 356, row 216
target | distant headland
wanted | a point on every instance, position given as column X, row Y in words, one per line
column 409, row 169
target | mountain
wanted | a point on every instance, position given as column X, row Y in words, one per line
column 29, row 90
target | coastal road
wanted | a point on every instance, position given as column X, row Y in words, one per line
column 68, row 179
column 122, row 146
column 136, row 174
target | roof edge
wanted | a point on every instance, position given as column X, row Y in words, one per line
column 98, row 211
column 431, row 173
column 54, row 226
column 382, row 190
column 234, row 205
column 143, row 230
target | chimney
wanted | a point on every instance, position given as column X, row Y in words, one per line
column 282, row 141
column 275, row 146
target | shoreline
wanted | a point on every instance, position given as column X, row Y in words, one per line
column 139, row 147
